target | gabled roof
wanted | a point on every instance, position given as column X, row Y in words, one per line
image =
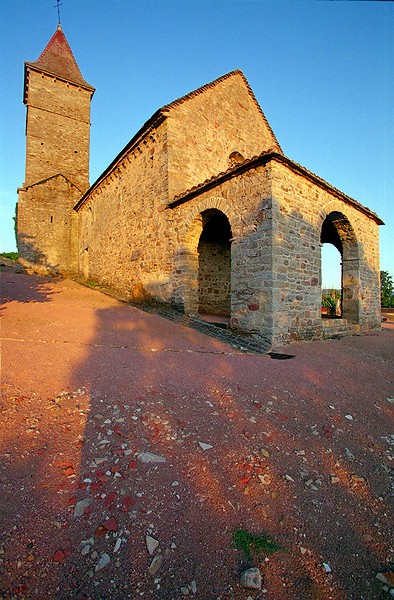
column 159, row 116
column 57, row 59
column 263, row 159
column 204, row 88
column 43, row 181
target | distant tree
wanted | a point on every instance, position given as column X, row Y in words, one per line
column 10, row 255
column 386, row 290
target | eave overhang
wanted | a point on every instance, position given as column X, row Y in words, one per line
column 262, row 160
column 33, row 67
column 155, row 120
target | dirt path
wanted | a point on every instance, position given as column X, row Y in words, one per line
column 296, row 452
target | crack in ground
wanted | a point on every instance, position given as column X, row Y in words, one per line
column 143, row 348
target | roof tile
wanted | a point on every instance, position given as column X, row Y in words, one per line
column 57, row 59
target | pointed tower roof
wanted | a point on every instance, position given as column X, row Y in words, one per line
column 57, row 59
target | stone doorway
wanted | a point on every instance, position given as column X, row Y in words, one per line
column 214, row 266
column 337, row 230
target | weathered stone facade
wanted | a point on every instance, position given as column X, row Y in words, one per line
column 57, row 157
column 207, row 127
column 45, row 222
column 203, row 211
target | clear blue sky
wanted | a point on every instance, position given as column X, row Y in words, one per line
column 321, row 71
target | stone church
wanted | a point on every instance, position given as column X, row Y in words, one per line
column 201, row 210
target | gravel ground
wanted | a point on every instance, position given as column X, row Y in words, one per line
column 142, row 458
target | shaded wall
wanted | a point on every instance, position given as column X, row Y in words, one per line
column 214, row 265
column 45, row 217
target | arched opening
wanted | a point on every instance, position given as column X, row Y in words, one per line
column 340, row 268
column 331, row 280
column 214, row 265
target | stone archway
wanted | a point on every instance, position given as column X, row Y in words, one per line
column 338, row 231
column 214, row 264
column 205, row 247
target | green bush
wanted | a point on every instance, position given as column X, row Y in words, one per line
column 330, row 304
column 10, row 255
column 386, row 290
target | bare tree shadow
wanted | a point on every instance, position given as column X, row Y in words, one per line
column 36, row 287
column 32, row 259
column 25, row 288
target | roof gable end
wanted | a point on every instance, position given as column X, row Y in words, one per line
column 47, row 179
column 213, row 84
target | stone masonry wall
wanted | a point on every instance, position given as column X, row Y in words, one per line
column 123, row 235
column 57, row 130
column 299, row 209
column 212, row 125
column 44, row 224
column 246, row 202
column 214, row 280
column 276, row 216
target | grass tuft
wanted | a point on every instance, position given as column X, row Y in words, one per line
column 254, row 545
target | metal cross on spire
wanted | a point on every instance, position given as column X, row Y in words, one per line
column 58, row 5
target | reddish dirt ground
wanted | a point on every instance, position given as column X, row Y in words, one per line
column 297, row 450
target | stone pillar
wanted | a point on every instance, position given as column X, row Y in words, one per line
column 186, row 272
column 251, row 298
column 351, row 289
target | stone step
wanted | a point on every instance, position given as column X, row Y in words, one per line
column 335, row 328
column 334, row 321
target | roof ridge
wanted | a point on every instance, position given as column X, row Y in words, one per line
column 41, row 181
column 213, row 84
column 280, row 157
column 201, row 89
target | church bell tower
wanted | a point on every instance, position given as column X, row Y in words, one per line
column 57, row 99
